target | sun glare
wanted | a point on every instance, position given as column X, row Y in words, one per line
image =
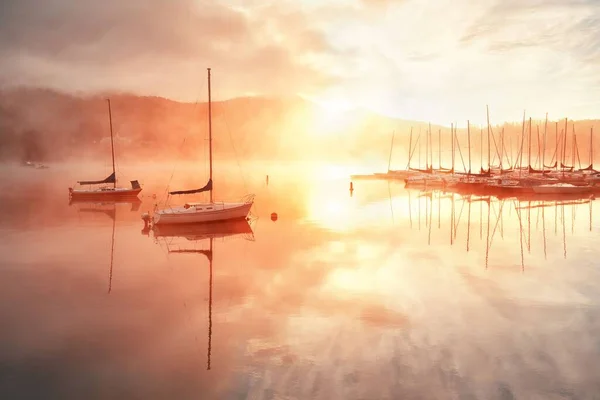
column 331, row 172
column 350, row 280
column 329, row 207
column 333, row 117
column 330, row 213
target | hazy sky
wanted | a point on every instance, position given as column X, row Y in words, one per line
column 440, row 60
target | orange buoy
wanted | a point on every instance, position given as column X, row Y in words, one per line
column 273, row 216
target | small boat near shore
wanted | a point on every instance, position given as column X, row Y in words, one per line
column 35, row 165
column 107, row 192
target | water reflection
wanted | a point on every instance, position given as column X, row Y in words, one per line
column 108, row 208
column 506, row 218
column 382, row 294
column 199, row 232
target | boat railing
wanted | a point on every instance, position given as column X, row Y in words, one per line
column 249, row 198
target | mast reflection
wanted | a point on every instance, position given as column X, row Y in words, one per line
column 108, row 208
column 197, row 233
column 493, row 222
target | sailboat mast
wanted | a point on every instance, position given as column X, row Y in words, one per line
column 481, row 149
column 574, row 145
column 391, row 148
column 469, row 142
column 592, row 147
column 452, row 133
column 427, row 148
column 487, row 109
column 210, row 156
column 112, row 145
column 564, row 148
column 410, row 152
column 501, row 148
column 529, row 145
column 520, row 155
column 544, row 145
column 418, row 140
column 439, row 148
column 430, row 146
column 556, row 144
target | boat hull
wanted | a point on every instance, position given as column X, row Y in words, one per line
column 202, row 213
column 424, row 181
column 104, row 194
column 205, row 230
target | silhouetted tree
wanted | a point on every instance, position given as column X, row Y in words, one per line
column 32, row 145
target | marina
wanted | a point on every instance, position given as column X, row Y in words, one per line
column 531, row 171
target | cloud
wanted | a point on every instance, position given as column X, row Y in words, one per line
column 109, row 32
column 380, row 3
column 525, row 24
column 410, row 59
column 153, row 45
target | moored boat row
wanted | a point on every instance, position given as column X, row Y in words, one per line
column 503, row 175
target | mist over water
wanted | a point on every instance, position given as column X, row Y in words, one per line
column 388, row 293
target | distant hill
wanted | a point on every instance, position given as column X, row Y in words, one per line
column 45, row 125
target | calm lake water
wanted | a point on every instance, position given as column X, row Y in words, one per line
column 385, row 294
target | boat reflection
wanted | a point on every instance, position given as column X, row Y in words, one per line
column 197, row 233
column 110, row 209
column 510, row 218
column 194, row 232
column 104, row 206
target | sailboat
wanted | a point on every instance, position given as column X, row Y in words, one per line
column 193, row 213
column 198, row 232
column 106, row 192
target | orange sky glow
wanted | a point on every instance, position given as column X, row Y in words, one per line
column 437, row 61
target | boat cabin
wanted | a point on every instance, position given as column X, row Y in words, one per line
column 198, row 206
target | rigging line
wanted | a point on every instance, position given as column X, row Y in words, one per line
column 554, row 154
column 507, row 155
column 495, row 146
column 166, row 192
column 235, row 153
column 577, row 152
column 182, row 144
column 460, row 153
column 236, row 156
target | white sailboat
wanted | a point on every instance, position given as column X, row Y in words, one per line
column 193, row 213
column 106, row 192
